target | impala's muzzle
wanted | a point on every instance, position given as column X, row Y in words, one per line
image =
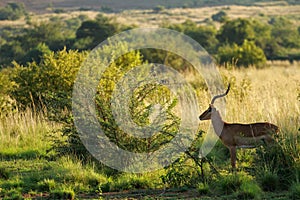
column 206, row 115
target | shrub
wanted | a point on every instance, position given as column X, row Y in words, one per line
column 49, row 82
column 247, row 54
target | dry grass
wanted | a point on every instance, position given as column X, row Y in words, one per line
column 148, row 18
column 201, row 15
column 260, row 95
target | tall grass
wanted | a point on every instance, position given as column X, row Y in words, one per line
column 25, row 131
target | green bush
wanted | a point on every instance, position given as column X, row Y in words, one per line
column 7, row 104
column 48, row 83
column 248, row 54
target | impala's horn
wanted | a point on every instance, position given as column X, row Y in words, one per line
column 221, row 95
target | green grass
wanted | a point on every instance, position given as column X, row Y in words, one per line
column 24, row 134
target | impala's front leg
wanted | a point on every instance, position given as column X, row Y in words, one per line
column 232, row 150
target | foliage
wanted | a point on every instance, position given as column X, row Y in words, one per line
column 7, row 104
column 284, row 32
column 32, row 42
column 93, row 32
column 236, row 32
column 36, row 54
column 58, row 69
column 204, row 35
column 12, row 11
column 247, row 54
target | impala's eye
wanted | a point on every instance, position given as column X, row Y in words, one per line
column 209, row 109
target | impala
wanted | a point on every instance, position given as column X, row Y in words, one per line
column 235, row 135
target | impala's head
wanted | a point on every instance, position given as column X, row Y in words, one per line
column 206, row 115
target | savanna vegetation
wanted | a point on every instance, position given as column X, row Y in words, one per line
column 41, row 155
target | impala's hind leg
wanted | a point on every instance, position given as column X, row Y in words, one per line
column 232, row 150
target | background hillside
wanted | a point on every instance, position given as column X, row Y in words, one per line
column 117, row 5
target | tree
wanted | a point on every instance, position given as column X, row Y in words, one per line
column 236, row 31
column 96, row 30
column 52, row 34
column 285, row 33
column 21, row 43
column 204, row 35
column 12, row 11
column 221, row 16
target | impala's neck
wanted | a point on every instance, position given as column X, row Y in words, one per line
column 217, row 121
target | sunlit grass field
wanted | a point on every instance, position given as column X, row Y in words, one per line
column 28, row 169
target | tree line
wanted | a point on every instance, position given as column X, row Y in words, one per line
column 242, row 42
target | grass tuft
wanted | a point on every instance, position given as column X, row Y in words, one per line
column 249, row 190
column 269, row 181
column 62, row 193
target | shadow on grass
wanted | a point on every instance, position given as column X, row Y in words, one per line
column 26, row 155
